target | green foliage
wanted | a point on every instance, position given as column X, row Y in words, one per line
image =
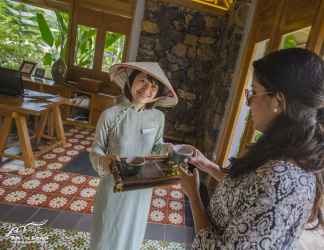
column 48, row 59
column 85, row 48
column 257, row 136
column 45, row 31
column 290, row 42
column 18, row 34
column 29, row 33
column 114, row 48
column 54, row 38
column 35, row 34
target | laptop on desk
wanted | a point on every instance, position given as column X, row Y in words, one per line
column 10, row 82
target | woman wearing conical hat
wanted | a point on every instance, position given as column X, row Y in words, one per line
column 132, row 128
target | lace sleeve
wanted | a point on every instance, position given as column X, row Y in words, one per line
column 269, row 215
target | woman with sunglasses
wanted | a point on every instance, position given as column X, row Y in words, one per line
column 130, row 129
column 271, row 191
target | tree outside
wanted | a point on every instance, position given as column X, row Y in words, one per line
column 39, row 35
column 20, row 35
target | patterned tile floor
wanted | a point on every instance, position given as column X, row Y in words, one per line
column 48, row 187
column 29, row 236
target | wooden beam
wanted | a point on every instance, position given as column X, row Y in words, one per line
column 316, row 37
column 275, row 37
column 62, row 5
column 232, row 116
column 301, row 15
column 114, row 7
column 196, row 6
column 72, row 33
column 99, row 50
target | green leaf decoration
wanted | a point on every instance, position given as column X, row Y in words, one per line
column 48, row 59
column 290, row 42
column 45, row 31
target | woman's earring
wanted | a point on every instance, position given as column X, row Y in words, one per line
column 275, row 110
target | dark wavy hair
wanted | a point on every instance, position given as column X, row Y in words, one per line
column 297, row 133
column 127, row 88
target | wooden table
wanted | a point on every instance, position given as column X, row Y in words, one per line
column 99, row 101
column 18, row 109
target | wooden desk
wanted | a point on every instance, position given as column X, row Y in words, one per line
column 17, row 109
column 98, row 101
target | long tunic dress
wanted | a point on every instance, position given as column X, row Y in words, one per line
column 120, row 218
column 266, row 209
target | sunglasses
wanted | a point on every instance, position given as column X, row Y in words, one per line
column 249, row 95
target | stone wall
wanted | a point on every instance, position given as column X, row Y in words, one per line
column 198, row 52
column 222, row 72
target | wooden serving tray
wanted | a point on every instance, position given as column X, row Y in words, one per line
column 157, row 171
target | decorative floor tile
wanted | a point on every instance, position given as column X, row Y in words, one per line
column 93, row 182
column 54, row 165
column 87, row 193
column 58, row 202
column 50, row 187
column 158, row 216
column 11, row 181
column 176, row 205
column 37, row 200
column 15, row 196
column 41, row 236
column 61, row 177
column 31, row 184
column 160, row 192
column 80, row 205
column 47, row 186
column 167, row 202
column 69, row 190
column 26, row 172
column 175, row 218
column 175, row 194
column 79, row 179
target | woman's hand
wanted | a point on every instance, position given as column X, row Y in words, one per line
column 108, row 161
column 190, row 183
column 200, row 161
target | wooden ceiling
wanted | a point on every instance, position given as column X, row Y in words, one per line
column 299, row 14
column 124, row 8
column 197, row 6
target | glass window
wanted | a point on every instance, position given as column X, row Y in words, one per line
column 85, row 46
column 240, row 131
column 31, row 33
column 114, row 49
column 295, row 39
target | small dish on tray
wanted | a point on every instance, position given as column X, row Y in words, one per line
column 133, row 165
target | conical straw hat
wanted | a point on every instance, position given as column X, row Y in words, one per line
column 119, row 74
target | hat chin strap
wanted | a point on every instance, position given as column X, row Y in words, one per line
column 127, row 79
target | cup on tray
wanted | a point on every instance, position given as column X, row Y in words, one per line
column 181, row 152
